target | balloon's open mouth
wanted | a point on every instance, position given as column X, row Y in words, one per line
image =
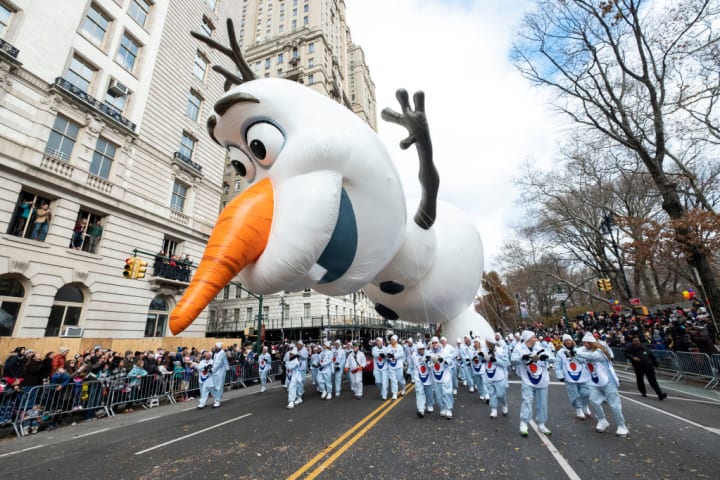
column 340, row 250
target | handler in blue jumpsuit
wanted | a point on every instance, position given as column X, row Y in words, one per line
column 441, row 375
column 421, row 376
column 380, row 367
column 396, row 373
column 531, row 365
column 572, row 370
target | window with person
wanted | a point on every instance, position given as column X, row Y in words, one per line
column 157, row 318
column 66, row 311
column 87, row 232
column 12, row 295
column 21, row 222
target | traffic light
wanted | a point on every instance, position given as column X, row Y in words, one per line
column 129, row 268
column 601, row 284
column 140, row 268
column 607, row 284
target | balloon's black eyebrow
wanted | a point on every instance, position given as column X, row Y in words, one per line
column 224, row 104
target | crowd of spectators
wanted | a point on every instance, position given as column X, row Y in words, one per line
column 85, row 377
column 676, row 329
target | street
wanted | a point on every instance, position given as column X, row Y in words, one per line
column 253, row 436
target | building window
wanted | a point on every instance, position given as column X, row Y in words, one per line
column 226, row 188
column 305, row 20
column 310, row 79
column 279, row 72
column 279, row 58
column 21, row 223
column 211, row 4
column 157, row 318
column 311, row 47
column 139, row 10
column 128, row 52
column 257, row 66
column 187, row 146
column 62, row 139
column 12, row 294
column 92, row 231
column 96, row 24
column 238, row 185
column 5, row 14
column 307, row 310
column 200, row 66
column 80, row 74
column 179, row 194
column 294, row 24
column 311, row 62
column 226, row 292
column 66, row 310
column 249, row 315
column 193, row 106
column 115, row 96
column 281, row 28
column 206, row 26
column 294, row 12
column 238, row 292
column 267, row 63
column 305, row 8
column 103, row 157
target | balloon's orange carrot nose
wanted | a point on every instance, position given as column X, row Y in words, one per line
column 238, row 239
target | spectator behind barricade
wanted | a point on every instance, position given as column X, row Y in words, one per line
column 32, row 419
column 58, row 360
column 60, row 378
column 14, row 365
column 137, row 373
column 35, row 370
column 700, row 336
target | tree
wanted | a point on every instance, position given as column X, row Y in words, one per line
column 630, row 70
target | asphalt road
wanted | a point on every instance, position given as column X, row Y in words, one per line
column 253, row 436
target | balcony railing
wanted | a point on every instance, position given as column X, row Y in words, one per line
column 186, row 162
column 8, row 48
column 78, row 94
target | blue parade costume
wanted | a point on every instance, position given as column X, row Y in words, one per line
column 302, row 366
column 466, row 354
column 424, row 398
column 380, row 367
column 396, row 357
column 603, row 384
column 293, row 376
column 495, row 375
column 573, row 370
column 325, row 371
column 338, row 365
column 531, row 365
column 314, row 366
column 219, row 371
column 264, row 367
column 442, row 377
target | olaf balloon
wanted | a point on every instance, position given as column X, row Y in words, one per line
column 325, row 208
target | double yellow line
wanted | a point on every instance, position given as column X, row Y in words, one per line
column 363, row 426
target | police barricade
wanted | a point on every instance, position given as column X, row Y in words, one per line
column 143, row 391
column 667, row 363
column 715, row 359
column 696, row 365
column 619, row 357
column 10, row 401
column 185, row 387
column 48, row 405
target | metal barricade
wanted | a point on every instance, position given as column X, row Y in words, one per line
column 667, row 363
column 697, row 365
column 144, row 391
column 10, row 401
column 619, row 359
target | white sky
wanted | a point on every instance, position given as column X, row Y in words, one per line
column 485, row 119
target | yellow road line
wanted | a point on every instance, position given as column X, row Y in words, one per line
column 386, row 405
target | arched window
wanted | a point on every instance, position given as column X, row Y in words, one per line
column 157, row 318
column 12, row 294
column 66, row 310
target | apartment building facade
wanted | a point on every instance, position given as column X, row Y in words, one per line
column 103, row 105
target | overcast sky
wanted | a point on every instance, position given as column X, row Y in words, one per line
column 485, row 119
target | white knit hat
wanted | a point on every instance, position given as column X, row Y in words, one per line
column 420, row 346
column 526, row 335
column 589, row 338
column 491, row 339
column 566, row 337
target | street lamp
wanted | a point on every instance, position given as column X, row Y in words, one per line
column 327, row 309
column 282, row 318
column 609, row 228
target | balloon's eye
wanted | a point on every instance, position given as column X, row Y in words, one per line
column 265, row 142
